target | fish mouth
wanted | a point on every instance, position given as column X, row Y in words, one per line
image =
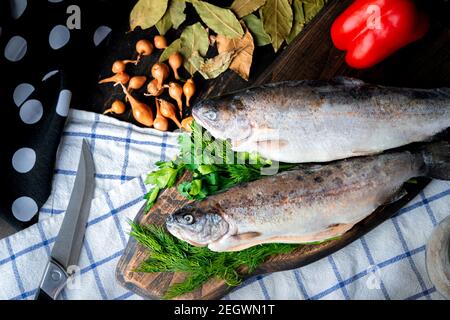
column 177, row 231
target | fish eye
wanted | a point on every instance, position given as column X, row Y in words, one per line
column 211, row 115
column 188, row 219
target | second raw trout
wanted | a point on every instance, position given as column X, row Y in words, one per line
column 309, row 204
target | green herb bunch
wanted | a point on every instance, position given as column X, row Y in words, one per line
column 168, row 254
column 214, row 167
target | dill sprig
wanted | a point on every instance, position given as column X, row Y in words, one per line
column 169, row 254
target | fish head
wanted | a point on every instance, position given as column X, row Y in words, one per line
column 224, row 117
column 197, row 226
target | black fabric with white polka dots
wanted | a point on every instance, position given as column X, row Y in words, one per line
column 48, row 51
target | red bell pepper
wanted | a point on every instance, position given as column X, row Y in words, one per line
column 372, row 30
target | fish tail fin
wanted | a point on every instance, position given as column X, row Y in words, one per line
column 436, row 157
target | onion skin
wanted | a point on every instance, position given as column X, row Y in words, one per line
column 152, row 89
column 160, row 42
column 117, row 107
column 186, row 124
column 120, row 65
column 143, row 48
column 160, row 122
column 141, row 112
column 189, row 90
column 168, row 110
column 176, row 93
column 160, row 71
column 175, row 62
column 137, row 82
column 120, row 77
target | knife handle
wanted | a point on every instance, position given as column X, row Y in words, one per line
column 42, row 296
column 54, row 280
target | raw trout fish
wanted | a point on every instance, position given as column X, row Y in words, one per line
column 309, row 204
column 313, row 121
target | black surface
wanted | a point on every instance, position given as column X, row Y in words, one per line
column 42, row 296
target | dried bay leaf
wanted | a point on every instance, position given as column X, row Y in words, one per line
column 195, row 62
column 304, row 12
column 299, row 20
column 173, row 17
column 221, row 20
column 217, row 65
column 243, row 8
column 277, row 18
column 193, row 39
column 189, row 65
column 213, row 67
column 312, row 8
column 256, row 28
column 243, row 57
column 177, row 15
column 175, row 46
column 146, row 13
column 242, row 62
column 164, row 24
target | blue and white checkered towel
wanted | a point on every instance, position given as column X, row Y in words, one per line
column 387, row 263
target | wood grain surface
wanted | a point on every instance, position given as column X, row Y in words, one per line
column 311, row 56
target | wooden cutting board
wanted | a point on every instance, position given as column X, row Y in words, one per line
column 310, row 56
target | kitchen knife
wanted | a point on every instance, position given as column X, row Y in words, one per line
column 67, row 248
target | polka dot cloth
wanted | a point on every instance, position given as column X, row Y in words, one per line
column 47, row 64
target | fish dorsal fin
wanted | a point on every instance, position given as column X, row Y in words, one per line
column 348, row 81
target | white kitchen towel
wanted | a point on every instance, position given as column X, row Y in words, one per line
column 387, row 263
column 121, row 152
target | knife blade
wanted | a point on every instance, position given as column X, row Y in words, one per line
column 67, row 248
